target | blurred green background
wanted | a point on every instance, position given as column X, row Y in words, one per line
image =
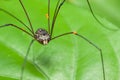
column 68, row 57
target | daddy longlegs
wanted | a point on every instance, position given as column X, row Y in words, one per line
column 45, row 36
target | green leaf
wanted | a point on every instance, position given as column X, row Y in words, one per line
column 66, row 58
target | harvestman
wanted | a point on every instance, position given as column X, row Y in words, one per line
column 45, row 36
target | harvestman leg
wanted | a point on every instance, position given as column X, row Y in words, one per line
column 32, row 30
column 98, row 19
column 8, row 13
column 13, row 25
column 25, row 59
column 100, row 50
column 48, row 16
column 24, row 62
column 57, row 9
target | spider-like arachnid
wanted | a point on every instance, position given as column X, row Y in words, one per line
column 44, row 36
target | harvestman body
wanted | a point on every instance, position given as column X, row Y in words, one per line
column 43, row 36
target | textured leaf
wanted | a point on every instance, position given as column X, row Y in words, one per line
column 65, row 58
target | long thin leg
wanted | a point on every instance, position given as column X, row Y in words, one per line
column 56, row 13
column 27, row 16
column 25, row 59
column 100, row 50
column 97, row 18
column 7, row 25
column 53, row 21
column 49, row 16
column 15, row 18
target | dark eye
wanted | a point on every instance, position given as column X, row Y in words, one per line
column 44, row 34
